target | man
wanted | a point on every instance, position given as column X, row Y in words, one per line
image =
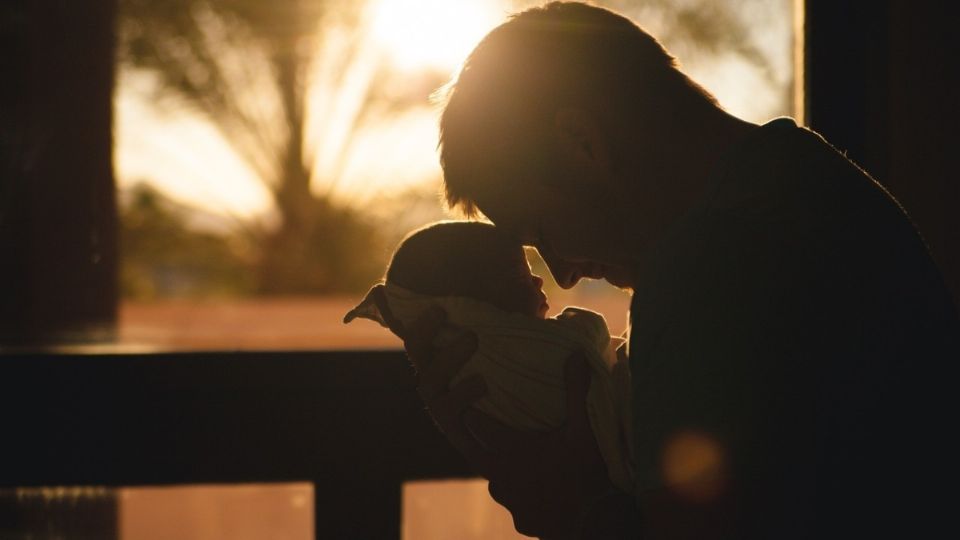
column 788, row 327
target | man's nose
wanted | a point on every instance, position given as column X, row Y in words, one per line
column 537, row 281
column 566, row 274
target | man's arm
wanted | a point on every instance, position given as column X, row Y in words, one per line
column 554, row 484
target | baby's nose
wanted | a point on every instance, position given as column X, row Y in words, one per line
column 538, row 281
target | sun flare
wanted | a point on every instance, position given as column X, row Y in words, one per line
column 438, row 34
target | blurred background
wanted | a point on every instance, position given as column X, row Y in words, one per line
column 247, row 168
column 231, row 175
column 270, row 155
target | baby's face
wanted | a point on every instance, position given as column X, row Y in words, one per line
column 512, row 287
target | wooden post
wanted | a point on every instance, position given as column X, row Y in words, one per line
column 58, row 261
column 881, row 80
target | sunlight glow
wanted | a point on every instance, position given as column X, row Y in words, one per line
column 799, row 74
column 439, row 34
column 400, row 152
column 356, row 156
column 182, row 153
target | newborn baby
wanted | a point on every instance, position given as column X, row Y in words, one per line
column 481, row 278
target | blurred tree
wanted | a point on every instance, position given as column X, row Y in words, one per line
column 252, row 68
column 691, row 28
column 164, row 256
column 709, row 26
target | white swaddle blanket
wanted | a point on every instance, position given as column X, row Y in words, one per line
column 521, row 359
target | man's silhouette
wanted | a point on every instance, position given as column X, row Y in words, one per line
column 788, row 328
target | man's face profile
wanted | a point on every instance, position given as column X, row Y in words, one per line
column 571, row 233
column 539, row 134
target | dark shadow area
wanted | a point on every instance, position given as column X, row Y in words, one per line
column 57, row 199
column 880, row 84
column 351, row 423
column 881, row 79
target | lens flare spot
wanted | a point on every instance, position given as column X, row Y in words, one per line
column 693, row 466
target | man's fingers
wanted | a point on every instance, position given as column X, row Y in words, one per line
column 447, row 411
column 482, row 461
column 447, row 362
column 474, row 452
column 418, row 339
column 493, row 442
column 450, row 405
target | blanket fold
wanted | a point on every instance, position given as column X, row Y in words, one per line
column 521, row 359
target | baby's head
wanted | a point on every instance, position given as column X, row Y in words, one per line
column 471, row 259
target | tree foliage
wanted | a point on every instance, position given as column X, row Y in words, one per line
column 163, row 256
column 271, row 77
column 267, row 75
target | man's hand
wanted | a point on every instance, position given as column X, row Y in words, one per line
column 546, row 480
column 436, row 366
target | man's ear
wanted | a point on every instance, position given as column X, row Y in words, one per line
column 580, row 135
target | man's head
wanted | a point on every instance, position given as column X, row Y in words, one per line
column 553, row 115
column 471, row 259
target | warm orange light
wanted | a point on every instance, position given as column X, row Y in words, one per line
column 437, row 34
column 799, row 73
column 693, row 466
column 185, row 156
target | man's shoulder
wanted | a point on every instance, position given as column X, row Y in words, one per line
column 783, row 168
column 793, row 227
column 787, row 188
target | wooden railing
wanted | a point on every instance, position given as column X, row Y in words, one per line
column 349, row 422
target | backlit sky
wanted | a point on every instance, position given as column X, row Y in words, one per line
column 183, row 155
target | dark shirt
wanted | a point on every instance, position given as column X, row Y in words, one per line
column 789, row 341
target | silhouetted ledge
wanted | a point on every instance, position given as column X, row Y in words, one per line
column 350, row 422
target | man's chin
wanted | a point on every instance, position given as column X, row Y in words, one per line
column 619, row 277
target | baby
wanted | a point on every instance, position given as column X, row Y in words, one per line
column 481, row 278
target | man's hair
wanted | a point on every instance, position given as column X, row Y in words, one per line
column 500, row 105
column 450, row 258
